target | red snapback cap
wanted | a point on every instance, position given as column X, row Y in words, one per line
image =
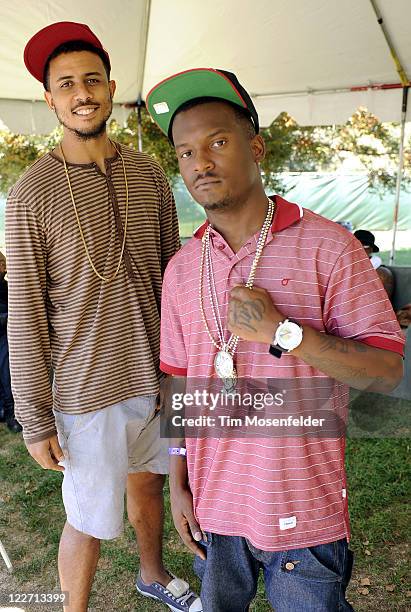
column 43, row 43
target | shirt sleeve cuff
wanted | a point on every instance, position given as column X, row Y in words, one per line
column 384, row 343
column 169, row 369
column 31, row 438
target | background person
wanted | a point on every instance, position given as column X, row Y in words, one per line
column 6, row 396
column 367, row 239
column 403, row 315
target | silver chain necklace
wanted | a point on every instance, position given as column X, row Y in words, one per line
column 224, row 359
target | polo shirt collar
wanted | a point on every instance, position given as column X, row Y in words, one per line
column 287, row 214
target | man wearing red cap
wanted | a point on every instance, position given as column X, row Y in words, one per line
column 90, row 228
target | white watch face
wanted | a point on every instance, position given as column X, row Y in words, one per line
column 288, row 335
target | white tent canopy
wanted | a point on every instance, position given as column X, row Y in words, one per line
column 316, row 59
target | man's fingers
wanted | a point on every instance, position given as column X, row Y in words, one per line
column 47, row 463
column 189, row 530
column 195, row 531
column 51, row 464
column 187, row 537
column 47, row 453
column 185, row 521
column 243, row 293
column 240, row 292
column 56, row 449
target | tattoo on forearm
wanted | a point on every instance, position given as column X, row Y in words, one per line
column 340, row 344
column 353, row 376
column 338, row 369
column 246, row 314
column 333, row 343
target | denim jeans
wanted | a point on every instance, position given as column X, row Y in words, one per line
column 302, row 580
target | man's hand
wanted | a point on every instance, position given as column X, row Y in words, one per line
column 184, row 520
column 404, row 315
column 47, row 453
column 252, row 314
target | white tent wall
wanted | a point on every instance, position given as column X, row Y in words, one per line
column 34, row 117
column 300, row 56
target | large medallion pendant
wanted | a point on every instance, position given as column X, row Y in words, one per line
column 229, row 384
column 224, row 364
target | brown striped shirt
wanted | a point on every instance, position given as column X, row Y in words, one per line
column 100, row 338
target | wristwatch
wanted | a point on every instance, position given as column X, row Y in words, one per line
column 287, row 336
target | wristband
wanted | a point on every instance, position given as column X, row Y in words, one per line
column 179, row 450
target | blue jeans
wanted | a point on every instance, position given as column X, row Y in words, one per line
column 302, row 580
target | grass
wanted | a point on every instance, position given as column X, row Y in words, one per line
column 31, row 518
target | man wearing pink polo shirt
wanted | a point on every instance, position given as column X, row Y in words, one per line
column 264, row 290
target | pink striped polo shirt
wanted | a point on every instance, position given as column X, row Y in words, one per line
column 289, row 492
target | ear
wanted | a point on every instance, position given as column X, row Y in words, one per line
column 112, row 87
column 258, row 148
column 49, row 99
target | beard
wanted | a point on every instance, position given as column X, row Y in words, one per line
column 226, row 203
column 94, row 131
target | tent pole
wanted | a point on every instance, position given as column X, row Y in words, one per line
column 405, row 83
column 139, row 126
column 400, row 170
column 145, row 26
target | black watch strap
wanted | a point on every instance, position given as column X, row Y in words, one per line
column 274, row 350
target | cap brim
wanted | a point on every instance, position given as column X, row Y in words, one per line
column 167, row 96
column 43, row 43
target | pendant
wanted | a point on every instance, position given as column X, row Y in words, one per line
column 224, row 364
column 229, row 384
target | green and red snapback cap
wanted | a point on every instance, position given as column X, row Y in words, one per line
column 45, row 41
column 165, row 98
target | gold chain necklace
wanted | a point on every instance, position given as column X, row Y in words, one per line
column 113, row 276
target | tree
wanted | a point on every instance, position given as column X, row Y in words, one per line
column 19, row 151
column 368, row 144
column 154, row 141
column 376, row 147
column 290, row 148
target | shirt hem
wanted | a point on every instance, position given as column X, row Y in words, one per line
column 168, row 369
column 43, row 434
column 39, row 437
column 289, row 545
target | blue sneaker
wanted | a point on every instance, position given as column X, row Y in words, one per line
column 177, row 595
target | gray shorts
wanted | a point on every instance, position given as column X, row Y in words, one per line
column 100, row 448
